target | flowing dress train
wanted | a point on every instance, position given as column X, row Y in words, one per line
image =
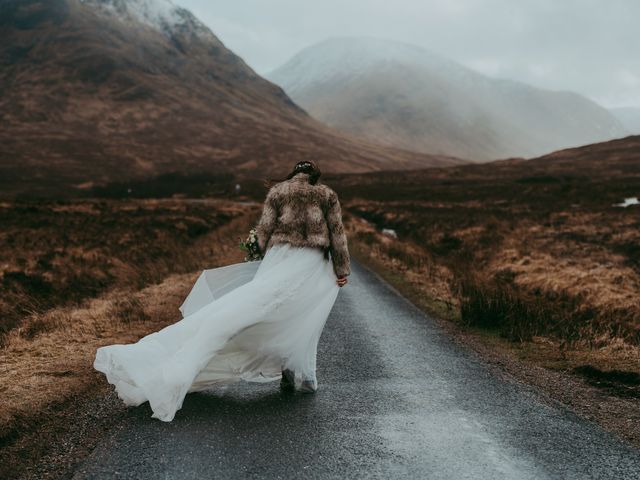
column 245, row 321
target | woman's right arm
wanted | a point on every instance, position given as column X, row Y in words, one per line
column 267, row 222
column 339, row 249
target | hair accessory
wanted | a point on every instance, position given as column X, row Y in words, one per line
column 303, row 165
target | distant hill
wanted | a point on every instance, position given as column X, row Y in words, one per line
column 97, row 91
column 405, row 96
column 607, row 159
column 629, row 117
column 614, row 164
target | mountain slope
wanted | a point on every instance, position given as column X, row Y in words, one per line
column 96, row 91
column 616, row 158
column 614, row 164
column 405, row 96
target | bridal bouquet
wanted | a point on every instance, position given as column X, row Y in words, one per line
column 250, row 245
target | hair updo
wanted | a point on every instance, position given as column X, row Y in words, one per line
column 304, row 166
column 307, row 167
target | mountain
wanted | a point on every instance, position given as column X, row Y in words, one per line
column 97, row 91
column 405, row 96
column 629, row 117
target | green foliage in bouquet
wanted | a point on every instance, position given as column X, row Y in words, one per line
column 250, row 245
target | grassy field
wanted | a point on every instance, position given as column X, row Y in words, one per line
column 571, row 275
column 77, row 275
column 529, row 250
column 55, row 254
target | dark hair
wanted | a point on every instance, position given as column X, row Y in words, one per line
column 304, row 166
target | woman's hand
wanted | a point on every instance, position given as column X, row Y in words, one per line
column 341, row 281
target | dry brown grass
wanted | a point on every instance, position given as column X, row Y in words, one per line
column 47, row 360
column 43, row 369
column 547, row 326
column 528, row 248
column 567, row 373
column 59, row 253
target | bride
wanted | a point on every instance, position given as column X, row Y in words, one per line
column 254, row 321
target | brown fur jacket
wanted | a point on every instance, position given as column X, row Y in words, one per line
column 304, row 215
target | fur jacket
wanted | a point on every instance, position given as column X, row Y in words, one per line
column 304, row 215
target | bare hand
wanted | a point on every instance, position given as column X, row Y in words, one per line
column 341, row 281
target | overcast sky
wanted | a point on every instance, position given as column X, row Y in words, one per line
column 588, row 46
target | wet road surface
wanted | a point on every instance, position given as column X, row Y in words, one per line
column 397, row 399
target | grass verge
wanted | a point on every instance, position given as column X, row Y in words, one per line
column 601, row 383
column 46, row 362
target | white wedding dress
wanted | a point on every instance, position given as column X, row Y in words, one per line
column 246, row 321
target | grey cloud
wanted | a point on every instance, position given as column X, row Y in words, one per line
column 588, row 46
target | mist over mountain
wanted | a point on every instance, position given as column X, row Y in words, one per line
column 96, row 91
column 629, row 117
column 408, row 97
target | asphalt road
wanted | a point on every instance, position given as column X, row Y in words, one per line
column 397, row 399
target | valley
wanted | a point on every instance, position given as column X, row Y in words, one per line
column 136, row 150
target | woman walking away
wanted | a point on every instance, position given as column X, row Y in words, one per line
column 257, row 321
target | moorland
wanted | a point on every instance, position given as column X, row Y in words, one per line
column 79, row 274
column 535, row 251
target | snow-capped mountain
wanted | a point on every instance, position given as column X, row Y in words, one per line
column 345, row 57
column 95, row 91
column 161, row 15
column 408, row 97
